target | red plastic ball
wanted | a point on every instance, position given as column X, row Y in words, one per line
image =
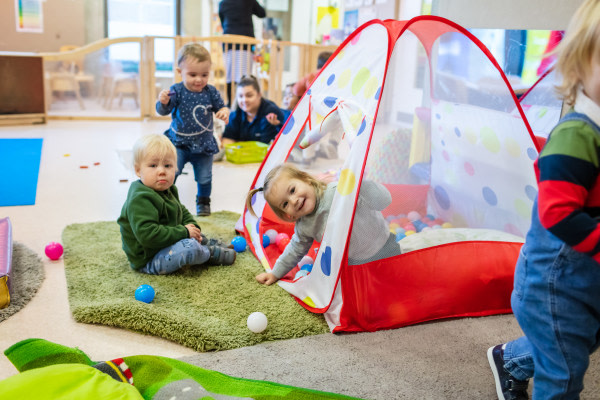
column 283, row 242
column 53, row 250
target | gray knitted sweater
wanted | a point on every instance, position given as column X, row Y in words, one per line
column 369, row 231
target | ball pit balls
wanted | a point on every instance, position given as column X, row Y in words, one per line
column 283, row 243
column 145, row 293
column 305, row 260
column 272, row 234
column 281, row 236
column 300, row 274
column 400, row 236
column 257, row 322
column 414, row 215
column 53, row 250
column 266, row 241
column 306, row 267
column 239, row 243
column 446, row 225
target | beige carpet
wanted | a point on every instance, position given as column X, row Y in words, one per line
column 442, row 360
column 26, row 278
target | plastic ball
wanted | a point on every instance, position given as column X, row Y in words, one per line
column 239, row 243
column 400, row 236
column 408, row 233
column 281, row 236
column 306, row 267
column 300, row 274
column 257, row 322
column 419, row 225
column 436, row 226
column 305, row 260
column 414, row 215
column 283, row 243
column 446, row 225
column 53, row 250
column 266, row 241
column 272, row 234
column 145, row 293
column 400, row 230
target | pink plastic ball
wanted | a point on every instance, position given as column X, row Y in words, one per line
column 281, row 236
column 282, row 243
column 54, row 250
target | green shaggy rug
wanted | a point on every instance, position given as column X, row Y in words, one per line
column 204, row 307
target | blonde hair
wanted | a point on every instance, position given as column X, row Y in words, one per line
column 153, row 145
column 285, row 171
column 193, row 50
column 578, row 49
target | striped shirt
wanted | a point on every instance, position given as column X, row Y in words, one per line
column 568, row 174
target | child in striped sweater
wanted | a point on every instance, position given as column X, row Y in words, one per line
column 557, row 278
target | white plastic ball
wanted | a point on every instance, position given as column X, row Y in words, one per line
column 305, row 260
column 272, row 234
column 414, row 216
column 257, row 322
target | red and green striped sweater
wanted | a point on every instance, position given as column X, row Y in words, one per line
column 568, row 177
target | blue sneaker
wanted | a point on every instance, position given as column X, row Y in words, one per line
column 507, row 387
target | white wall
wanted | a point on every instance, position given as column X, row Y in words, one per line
column 508, row 14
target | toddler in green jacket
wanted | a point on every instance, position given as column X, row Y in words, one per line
column 159, row 234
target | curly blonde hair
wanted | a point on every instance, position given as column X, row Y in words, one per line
column 285, row 171
column 578, row 49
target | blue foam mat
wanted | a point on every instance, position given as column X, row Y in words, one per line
column 20, row 163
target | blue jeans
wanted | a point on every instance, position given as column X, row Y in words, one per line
column 556, row 300
column 172, row 258
column 202, row 164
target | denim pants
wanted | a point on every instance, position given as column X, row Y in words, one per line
column 202, row 164
column 556, row 300
column 172, row 258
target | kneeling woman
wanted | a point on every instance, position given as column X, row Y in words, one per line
column 249, row 121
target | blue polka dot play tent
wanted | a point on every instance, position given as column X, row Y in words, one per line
column 422, row 108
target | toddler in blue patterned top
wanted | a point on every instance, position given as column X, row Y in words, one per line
column 191, row 104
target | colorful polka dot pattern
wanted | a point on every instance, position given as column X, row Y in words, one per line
column 349, row 76
column 481, row 170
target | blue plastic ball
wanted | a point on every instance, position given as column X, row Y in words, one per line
column 239, row 244
column 306, row 267
column 266, row 241
column 400, row 236
column 145, row 293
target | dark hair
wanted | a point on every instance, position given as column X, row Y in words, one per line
column 323, row 57
column 249, row 80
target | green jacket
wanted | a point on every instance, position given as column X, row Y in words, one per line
column 151, row 221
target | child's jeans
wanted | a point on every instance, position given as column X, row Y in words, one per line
column 202, row 164
column 172, row 258
column 556, row 300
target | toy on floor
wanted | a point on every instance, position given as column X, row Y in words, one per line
column 239, row 244
column 53, row 250
column 145, row 293
column 5, row 261
column 49, row 371
column 257, row 322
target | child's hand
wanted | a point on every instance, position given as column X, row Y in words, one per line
column 266, row 278
column 164, row 97
column 223, row 114
column 272, row 119
column 194, row 232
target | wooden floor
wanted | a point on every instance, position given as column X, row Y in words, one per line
column 69, row 194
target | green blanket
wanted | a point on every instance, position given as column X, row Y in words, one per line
column 205, row 307
column 53, row 371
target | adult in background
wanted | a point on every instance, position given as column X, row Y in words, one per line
column 236, row 19
column 249, row 121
